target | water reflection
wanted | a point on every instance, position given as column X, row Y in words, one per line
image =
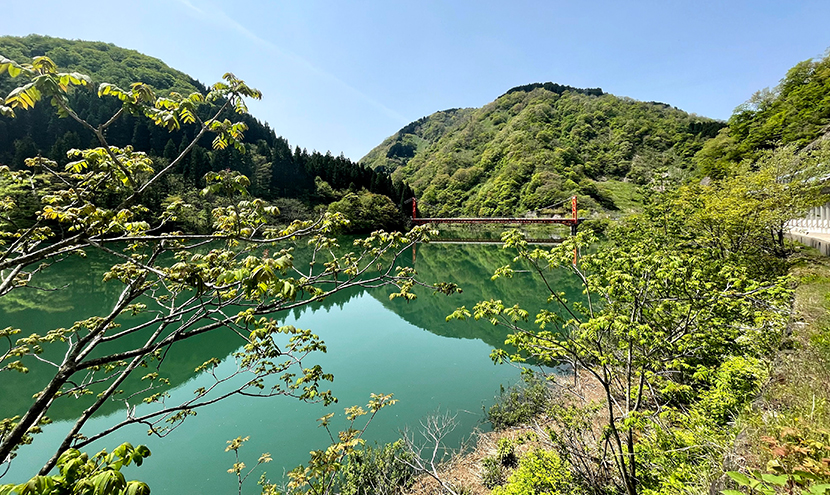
column 84, row 294
column 471, row 266
column 375, row 346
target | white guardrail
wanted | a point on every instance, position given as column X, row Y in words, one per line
column 817, row 221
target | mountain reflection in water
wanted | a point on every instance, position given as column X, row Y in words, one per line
column 375, row 345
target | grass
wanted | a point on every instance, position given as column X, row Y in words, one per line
column 625, row 195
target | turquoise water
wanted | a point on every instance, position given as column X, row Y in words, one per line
column 374, row 346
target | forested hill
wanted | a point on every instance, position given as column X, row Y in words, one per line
column 274, row 168
column 539, row 144
column 797, row 112
column 104, row 61
column 415, row 137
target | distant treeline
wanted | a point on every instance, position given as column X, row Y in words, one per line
column 273, row 167
column 411, row 127
column 555, row 88
column 275, row 170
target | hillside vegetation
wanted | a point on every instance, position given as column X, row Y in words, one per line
column 706, row 354
column 274, row 169
column 742, row 414
column 396, row 150
column 797, row 112
column 539, row 144
column 105, row 61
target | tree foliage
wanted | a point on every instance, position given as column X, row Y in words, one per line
column 396, row 150
column 743, row 217
column 274, row 168
column 685, row 305
column 366, row 211
column 173, row 285
column 796, row 112
column 80, row 473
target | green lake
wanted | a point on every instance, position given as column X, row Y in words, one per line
column 374, row 346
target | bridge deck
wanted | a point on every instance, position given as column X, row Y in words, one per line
column 474, row 240
column 499, row 220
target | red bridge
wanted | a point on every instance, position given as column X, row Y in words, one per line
column 573, row 221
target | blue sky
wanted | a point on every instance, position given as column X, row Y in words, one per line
column 342, row 76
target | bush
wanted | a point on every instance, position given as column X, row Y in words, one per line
column 378, row 469
column 492, row 474
column 683, row 452
column 539, row 472
column 367, row 212
column 734, row 383
column 506, row 453
column 519, row 403
column 596, row 225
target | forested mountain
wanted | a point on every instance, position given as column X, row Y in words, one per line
column 273, row 167
column 537, row 145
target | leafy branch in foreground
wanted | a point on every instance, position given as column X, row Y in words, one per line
column 324, row 471
column 174, row 285
column 652, row 322
column 78, row 473
column 771, row 483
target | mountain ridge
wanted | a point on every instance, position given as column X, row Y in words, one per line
column 537, row 144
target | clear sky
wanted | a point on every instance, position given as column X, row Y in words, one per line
column 344, row 75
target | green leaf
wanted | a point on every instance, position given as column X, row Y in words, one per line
column 39, row 485
column 778, row 480
column 44, row 64
column 739, row 478
column 137, row 488
column 108, row 482
column 14, row 70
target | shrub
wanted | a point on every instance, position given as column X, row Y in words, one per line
column 378, row 469
column 734, row 383
column 492, row 473
column 506, row 453
column 540, row 471
column 519, row 403
column 367, row 211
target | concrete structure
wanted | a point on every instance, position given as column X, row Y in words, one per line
column 813, row 230
column 817, row 221
column 818, row 241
